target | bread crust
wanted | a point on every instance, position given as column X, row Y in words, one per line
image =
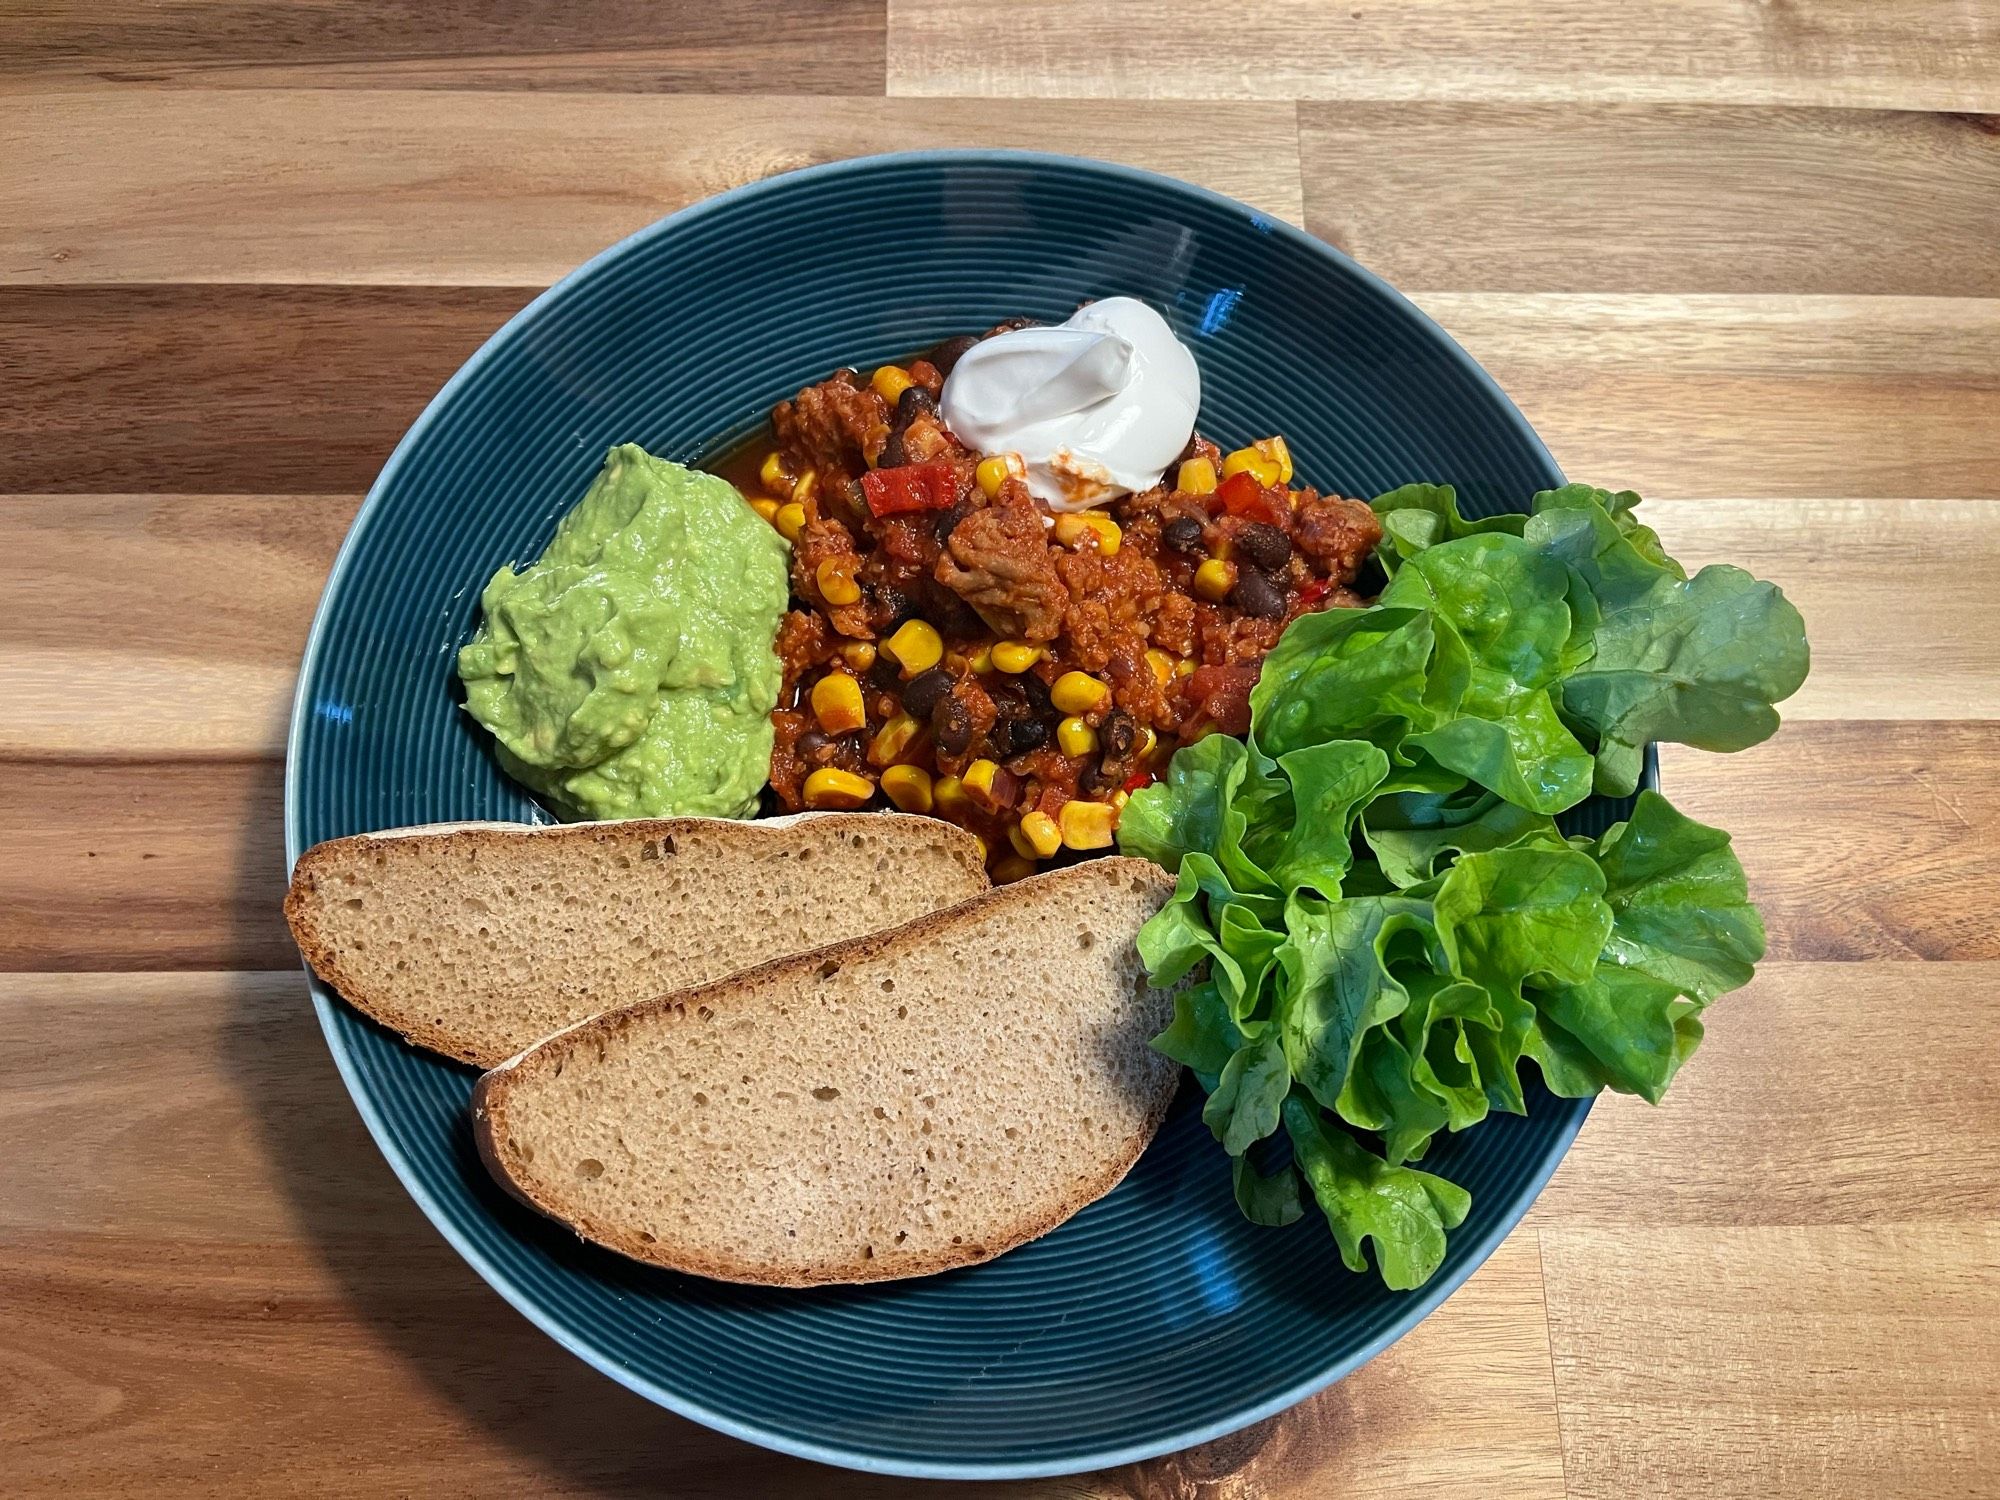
column 303, row 911
column 490, row 1098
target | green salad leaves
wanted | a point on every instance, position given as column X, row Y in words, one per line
column 1389, row 917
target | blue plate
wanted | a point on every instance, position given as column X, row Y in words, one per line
column 1158, row 1317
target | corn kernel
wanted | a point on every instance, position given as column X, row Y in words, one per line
column 1184, row 667
column 1214, row 579
column 978, row 777
column 807, row 486
column 1074, row 737
column 836, row 703
column 1087, row 825
column 893, row 740
column 1015, row 656
column 981, row 660
column 1119, row 798
column 859, row 655
column 1018, row 839
column 836, row 582
column 984, row 847
column 890, row 382
column 1278, row 452
column 909, row 787
column 828, row 787
column 790, row 521
column 1146, row 744
column 915, row 646
column 948, row 792
column 1010, row 869
column 1078, row 693
column 1043, row 836
column 1250, row 461
column 1162, row 665
column 996, row 470
column 768, row 509
column 1072, row 530
column 774, row 475
column 1196, row 477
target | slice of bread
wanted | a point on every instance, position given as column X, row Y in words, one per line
column 479, row 939
column 890, row 1106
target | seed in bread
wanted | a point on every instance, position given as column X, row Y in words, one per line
column 476, row 940
column 889, row 1106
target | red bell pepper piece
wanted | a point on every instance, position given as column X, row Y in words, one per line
column 909, row 487
column 1139, row 778
column 1241, row 495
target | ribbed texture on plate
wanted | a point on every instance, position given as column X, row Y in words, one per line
column 1157, row 1317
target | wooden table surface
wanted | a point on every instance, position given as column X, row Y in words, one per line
column 1743, row 255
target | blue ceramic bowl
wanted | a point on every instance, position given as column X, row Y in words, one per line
column 1158, row 1317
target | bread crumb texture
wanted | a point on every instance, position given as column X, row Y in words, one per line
column 888, row 1107
column 479, row 942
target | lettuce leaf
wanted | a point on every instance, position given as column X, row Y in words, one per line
column 1404, row 1211
column 1699, row 661
column 1243, row 1106
column 1681, row 905
column 1376, row 917
column 1422, row 515
column 1336, row 965
column 1409, row 831
column 1506, row 603
column 1274, row 1200
column 1344, row 674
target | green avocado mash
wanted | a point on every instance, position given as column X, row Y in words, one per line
column 630, row 672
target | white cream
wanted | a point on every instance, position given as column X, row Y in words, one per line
column 1096, row 408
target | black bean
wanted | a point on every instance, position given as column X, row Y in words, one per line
column 951, row 722
column 948, row 520
column 1118, row 733
column 892, row 455
column 893, row 605
column 913, row 403
column 1266, row 546
column 1036, row 692
column 948, row 353
column 1093, row 779
column 922, row 693
column 813, row 745
column 1255, row 594
column 885, row 676
column 1019, row 735
column 1183, row 534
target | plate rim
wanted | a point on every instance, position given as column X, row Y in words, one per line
column 327, row 1006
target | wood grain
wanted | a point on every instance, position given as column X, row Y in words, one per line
column 143, row 865
column 269, row 390
column 1765, row 396
column 305, row 389
column 277, row 1280
column 1799, row 1110
column 157, row 185
column 1849, row 1360
column 1862, row 840
column 1919, row 54
column 719, row 46
column 164, row 626
column 1891, row 638
column 1681, row 198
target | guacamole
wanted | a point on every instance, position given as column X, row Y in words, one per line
column 629, row 672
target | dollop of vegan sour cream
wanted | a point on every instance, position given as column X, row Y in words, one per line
column 1096, row 407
